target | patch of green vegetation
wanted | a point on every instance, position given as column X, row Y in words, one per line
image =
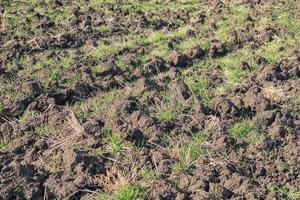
column 95, row 106
column 142, row 60
column 103, row 196
column 160, row 41
column 235, row 16
column 241, row 129
column 54, row 75
column 295, row 101
column 73, row 79
column 230, row 64
column 177, row 167
column 133, row 7
column 269, row 152
column 45, row 130
column 166, row 109
column 162, row 51
column 103, row 51
column 294, row 113
column 12, row 96
column 55, row 161
column 109, row 48
column 28, row 116
column 7, row 1
column 161, row 38
column 284, row 192
column 63, row 15
column 288, row 129
column 255, row 138
column 160, row 5
column 125, row 192
column 148, row 175
column 23, row 21
column 106, row 100
column 157, row 37
column 110, row 96
column 102, row 28
column 115, row 141
column 53, row 67
column 66, row 62
column 190, row 151
column 271, row 51
column 166, row 115
column 83, row 109
column 201, row 136
column 4, row 146
column 24, row 62
column 192, row 42
column 10, row 93
column 281, row 16
column 1, row 107
column 200, row 88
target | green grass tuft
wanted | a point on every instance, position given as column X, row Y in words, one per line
column 130, row 192
column 45, row 130
column 3, row 145
column 189, row 151
column 115, row 142
column 1, row 107
column 284, row 192
column 148, row 175
column 166, row 115
column 241, row 129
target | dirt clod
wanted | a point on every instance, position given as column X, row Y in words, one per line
column 131, row 100
column 178, row 59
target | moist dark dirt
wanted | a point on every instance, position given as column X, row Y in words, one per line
column 54, row 147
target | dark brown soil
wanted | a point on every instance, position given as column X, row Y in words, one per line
column 57, row 146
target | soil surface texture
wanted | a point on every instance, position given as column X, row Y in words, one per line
column 149, row 99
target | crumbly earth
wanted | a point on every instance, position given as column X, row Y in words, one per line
column 133, row 99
